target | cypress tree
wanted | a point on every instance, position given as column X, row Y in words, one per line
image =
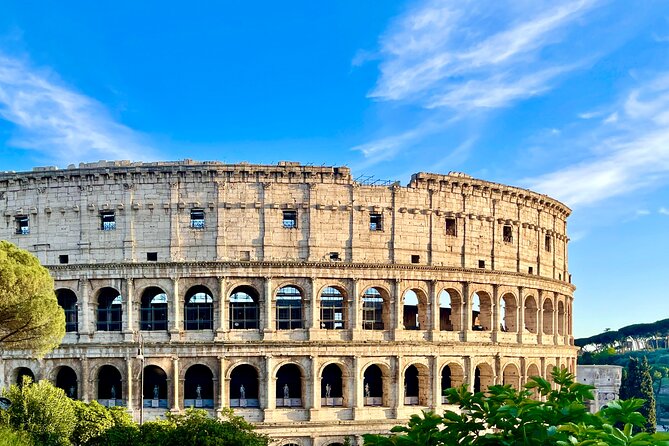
column 638, row 383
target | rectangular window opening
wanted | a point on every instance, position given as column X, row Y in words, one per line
column 107, row 220
column 530, row 270
column 450, row 227
column 63, row 259
column 197, row 218
column 507, row 234
column 559, row 276
column 245, row 256
column 415, row 258
column 481, row 263
column 334, row 256
column 376, row 222
column 547, row 243
column 290, row 219
column 22, row 224
column 151, row 256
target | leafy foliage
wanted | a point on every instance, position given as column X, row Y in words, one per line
column 10, row 437
column 505, row 416
column 30, row 317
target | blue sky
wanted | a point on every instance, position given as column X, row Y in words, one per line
column 567, row 98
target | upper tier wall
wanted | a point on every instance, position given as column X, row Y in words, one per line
column 495, row 226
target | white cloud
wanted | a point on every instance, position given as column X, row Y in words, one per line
column 663, row 211
column 632, row 152
column 642, row 212
column 63, row 125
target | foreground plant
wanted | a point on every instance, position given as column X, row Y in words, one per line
column 505, row 416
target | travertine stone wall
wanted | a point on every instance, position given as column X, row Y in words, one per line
column 501, row 277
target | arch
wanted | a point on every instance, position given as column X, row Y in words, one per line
column 110, row 388
column 333, row 308
column 154, row 387
column 374, row 385
column 450, row 310
column 508, row 313
column 244, row 386
column 67, row 300
column 561, row 314
column 452, row 375
column 481, row 311
column 549, row 372
column 530, row 309
column 289, row 386
column 198, row 308
column 374, row 309
column 20, row 373
column 547, row 310
column 332, row 386
column 289, row 308
column 416, row 385
column 199, row 386
column 153, row 309
column 511, row 376
column 66, row 379
column 484, row 377
column 414, row 309
column 244, row 308
column 110, row 309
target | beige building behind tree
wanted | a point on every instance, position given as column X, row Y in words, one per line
column 318, row 307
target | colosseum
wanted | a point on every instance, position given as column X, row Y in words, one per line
column 316, row 306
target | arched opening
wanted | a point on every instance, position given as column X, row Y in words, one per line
column 483, row 377
column 110, row 390
column 511, row 377
column 289, row 308
column 333, row 309
column 68, row 302
column 531, row 314
column 110, row 309
column 332, row 386
column 445, row 311
column 416, row 385
column 414, row 314
column 533, row 371
column 451, row 376
column 154, row 387
column 244, row 308
column 561, row 318
column 508, row 313
column 549, row 373
column 199, row 309
column 373, row 386
column 199, row 387
column 547, row 310
column 21, row 373
column 66, row 379
column 372, row 310
column 289, row 386
column 153, row 310
column 244, row 386
column 481, row 311
column 335, row 444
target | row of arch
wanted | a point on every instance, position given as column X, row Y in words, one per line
column 245, row 388
column 548, row 315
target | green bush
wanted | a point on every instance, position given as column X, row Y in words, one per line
column 9, row 437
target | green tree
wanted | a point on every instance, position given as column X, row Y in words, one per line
column 638, row 383
column 42, row 410
column 30, row 317
column 10, row 437
column 505, row 416
column 93, row 420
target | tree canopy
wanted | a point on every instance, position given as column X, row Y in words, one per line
column 638, row 383
column 30, row 317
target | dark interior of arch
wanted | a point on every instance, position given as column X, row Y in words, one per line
column 289, row 374
column 68, row 302
column 24, row 371
column 374, row 378
column 247, row 376
column 109, row 377
column 446, row 378
column 331, row 375
column 154, row 309
column 199, row 308
column 66, row 379
column 411, row 381
column 154, row 376
column 199, row 375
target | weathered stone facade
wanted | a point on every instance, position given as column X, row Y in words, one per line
column 317, row 307
column 605, row 378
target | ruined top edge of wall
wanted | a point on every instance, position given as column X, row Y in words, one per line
column 285, row 169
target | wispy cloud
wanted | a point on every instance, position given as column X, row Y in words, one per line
column 663, row 211
column 632, row 152
column 62, row 125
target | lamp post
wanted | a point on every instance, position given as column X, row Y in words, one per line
column 140, row 356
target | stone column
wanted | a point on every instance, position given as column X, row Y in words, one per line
column 175, row 384
column 129, row 320
column 555, row 319
column 315, row 388
column 436, row 383
column 433, row 309
column 270, row 403
column 85, row 310
column 357, row 390
column 470, row 371
column 131, row 382
column 496, row 308
column 399, row 387
column 85, row 381
column 312, row 314
column 222, row 397
column 354, row 309
column 222, row 325
column 521, row 314
column 540, row 317
column 466, row 311
column 396, row 319
column 269, row 308
column 177, row 323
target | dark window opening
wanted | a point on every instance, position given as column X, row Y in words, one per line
column 22, row 224
column 245, row 256
column 154, row 387
column 107, row 220
column 199, row 309
column 450, row 227
column 415, row 258
column 153, row 312
column 244, row 308
column 530, row 270
column 151, row 256
column 66, row 379
column 334, row 256
column 507, row 234
column 559, row 276
column 109, row 385
column 547, row 243
column 375, row 222
column 110, row 310
column 63, row 258
column 289, row 386
column 290, row 219
column 332, row 309
column 372, row 310
column 332, row 385
column 199, row 387
column 244, row 386
column 481, row 263
column 289, row 308
column 197, row 218
column 68, row 302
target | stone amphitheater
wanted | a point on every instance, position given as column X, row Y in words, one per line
column 316, row 306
